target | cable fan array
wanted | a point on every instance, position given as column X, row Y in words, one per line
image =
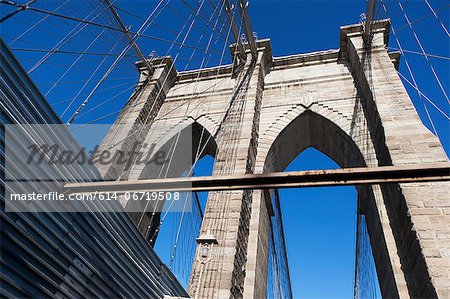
column 82, row 56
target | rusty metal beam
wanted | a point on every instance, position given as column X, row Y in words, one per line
column 313, row 178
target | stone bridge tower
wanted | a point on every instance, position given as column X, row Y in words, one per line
column 348, row 103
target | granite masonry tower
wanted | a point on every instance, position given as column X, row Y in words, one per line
column 257, row 116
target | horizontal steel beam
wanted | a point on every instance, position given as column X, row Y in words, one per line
column 312, row 178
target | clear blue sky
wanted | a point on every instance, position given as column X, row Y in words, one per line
column 320, row 227
column 319, row 222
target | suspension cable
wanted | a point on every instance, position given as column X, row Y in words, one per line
column 437, row 18
column 412, row 75
column 423, row 51
column 69, row 36
column 420, row 53
column 19, row 9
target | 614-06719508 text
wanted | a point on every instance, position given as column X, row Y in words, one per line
column 57, row 196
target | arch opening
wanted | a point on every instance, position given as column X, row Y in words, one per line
column 183, row 146
column 325, row 228
column 172, row 230
column 310, row 129
column 178, row 253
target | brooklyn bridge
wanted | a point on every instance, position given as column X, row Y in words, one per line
column 149, row 150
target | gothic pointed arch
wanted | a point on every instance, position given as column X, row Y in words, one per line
column 182, row 145
column 312, row 129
